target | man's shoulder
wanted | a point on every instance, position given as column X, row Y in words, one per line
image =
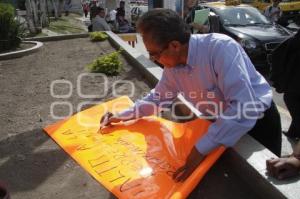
column 213, row 43
column 211, row 37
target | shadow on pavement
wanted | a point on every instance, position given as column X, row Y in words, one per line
column 26, row 161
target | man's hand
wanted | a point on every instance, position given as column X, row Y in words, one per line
column 192, row 162
column 284, row 167
column 107, row 119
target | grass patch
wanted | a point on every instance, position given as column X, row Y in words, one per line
column 66, row 25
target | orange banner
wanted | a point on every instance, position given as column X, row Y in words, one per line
column 135, row 159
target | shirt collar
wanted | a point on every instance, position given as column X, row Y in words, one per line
column 191, row 59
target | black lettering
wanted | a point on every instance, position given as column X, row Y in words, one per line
column 98, row 161
column 106, row 170
column 84, row 147
column 121, row 176
column 67, row 132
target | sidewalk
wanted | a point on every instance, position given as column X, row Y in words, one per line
column 140, row 47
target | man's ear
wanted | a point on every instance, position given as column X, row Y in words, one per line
column 175, row 45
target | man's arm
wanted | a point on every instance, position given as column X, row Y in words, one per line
column 160, row 97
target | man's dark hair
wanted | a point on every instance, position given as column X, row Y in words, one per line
column 164, row 25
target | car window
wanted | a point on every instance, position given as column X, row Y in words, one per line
column 241, row 16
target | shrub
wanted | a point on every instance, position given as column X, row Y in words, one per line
column 98, row 36
column 9, row 28
column 7, row 8
column 108, row 64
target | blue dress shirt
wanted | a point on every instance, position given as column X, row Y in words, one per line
column 220, row 81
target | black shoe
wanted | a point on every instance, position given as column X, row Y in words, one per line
column 291, row 135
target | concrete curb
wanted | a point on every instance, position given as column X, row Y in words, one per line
column 20, row 53
column 152, row 71
column 58, row 37
column 248, row 157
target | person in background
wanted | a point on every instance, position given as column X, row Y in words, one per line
column 189, row 14
column 273, row 12
column 285, row 75
column 93, row 9
column 111, row 19
column 85, row 8
column 122, row 25
column 99, row 23
column 216, row 76
column 121, row 9
column 285, row 167
column 112, row 16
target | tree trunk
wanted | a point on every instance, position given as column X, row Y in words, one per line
column 35, row 14
column 54, row 5
column 60, row 7
column 43, row 17
column 29, row 17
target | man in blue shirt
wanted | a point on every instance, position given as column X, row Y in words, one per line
column 216, row 76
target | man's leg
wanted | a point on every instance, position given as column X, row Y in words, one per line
column 267, row 130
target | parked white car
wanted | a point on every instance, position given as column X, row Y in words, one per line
column 137, row 12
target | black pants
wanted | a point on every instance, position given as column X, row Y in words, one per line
column 292, row 101
column 267, row 130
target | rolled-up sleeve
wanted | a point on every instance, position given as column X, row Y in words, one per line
column 243, row 108
column 159, row 98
